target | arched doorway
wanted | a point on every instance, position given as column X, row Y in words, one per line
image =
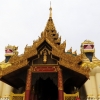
column 45, row 90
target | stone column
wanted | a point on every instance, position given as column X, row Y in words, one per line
column 60, row 85
column 1, row 87
column 6, row 90
column 94, row 89
column 28, row 85
column 90, row 87
column 98, row 84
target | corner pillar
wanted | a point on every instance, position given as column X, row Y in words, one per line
column 28, row 85
column 1, row 88
column 98, row 84
column 60, row 85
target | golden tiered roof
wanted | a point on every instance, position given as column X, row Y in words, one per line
column 51, row 36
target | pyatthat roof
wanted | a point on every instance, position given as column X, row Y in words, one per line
column 49, row 35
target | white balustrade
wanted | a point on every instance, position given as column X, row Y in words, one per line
column 5, row 98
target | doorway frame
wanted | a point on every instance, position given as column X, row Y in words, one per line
column 44, row 69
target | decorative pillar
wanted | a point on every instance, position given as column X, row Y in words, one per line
column 28, row 85
column 6, row 90
column 94, row 89
column 32, row 94
column 60, row 85
column 98, row 84
column 90, row 87
column 1, row 85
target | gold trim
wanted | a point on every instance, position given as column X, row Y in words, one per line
column 1, row 73
column 71, row 95
column 33, row 69
column 45, row 65
column 75, row 67
column 15, row 66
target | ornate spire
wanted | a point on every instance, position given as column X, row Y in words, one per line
column 50, row 30
column 50, row 10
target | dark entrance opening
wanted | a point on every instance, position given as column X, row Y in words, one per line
column 69, row 86
column 45, row 90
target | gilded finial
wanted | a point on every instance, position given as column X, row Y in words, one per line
column 70, row 50
column 50, row 10
column 74, row 53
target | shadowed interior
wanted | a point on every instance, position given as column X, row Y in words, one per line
column 45, row 90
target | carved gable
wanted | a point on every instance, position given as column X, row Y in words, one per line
column 44, row 55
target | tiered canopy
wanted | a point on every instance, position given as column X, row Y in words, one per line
column 56, row 55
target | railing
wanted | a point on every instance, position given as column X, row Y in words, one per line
column 91, row 97
column 14, row 97
column 17, row 96
column 98, row 97
column 71, row 96
column 21, row 96
column 5, row 98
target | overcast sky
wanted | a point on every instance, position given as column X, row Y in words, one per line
column 22, row 21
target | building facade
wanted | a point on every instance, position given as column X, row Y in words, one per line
column 47, row 71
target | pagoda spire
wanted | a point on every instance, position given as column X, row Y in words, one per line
column 50, row 10
column 50, row 30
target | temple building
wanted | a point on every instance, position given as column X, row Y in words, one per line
column 45, row 71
